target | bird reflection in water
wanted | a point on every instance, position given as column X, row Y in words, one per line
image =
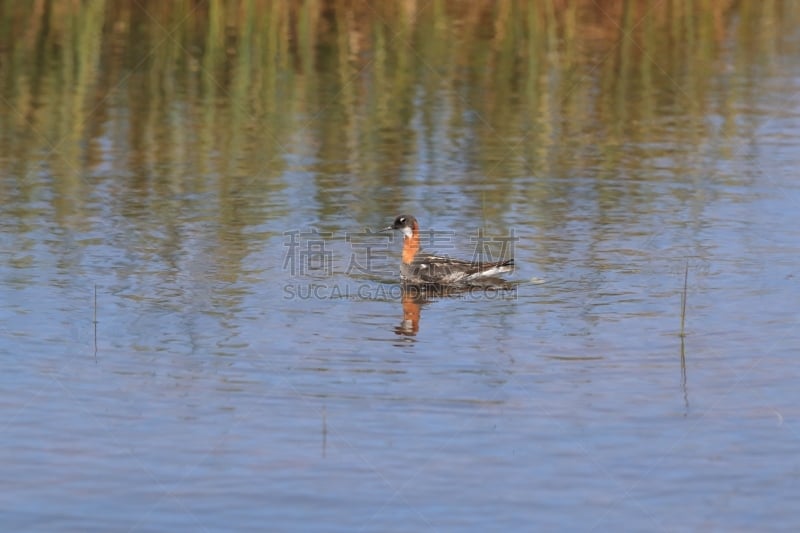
column 413, row 297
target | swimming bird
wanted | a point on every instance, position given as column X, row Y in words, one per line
column 420, row 268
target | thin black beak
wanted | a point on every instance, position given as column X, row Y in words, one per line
column 387, row 228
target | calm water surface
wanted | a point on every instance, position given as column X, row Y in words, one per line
column 199, row 332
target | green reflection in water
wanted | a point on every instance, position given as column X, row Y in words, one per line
column 232, row 98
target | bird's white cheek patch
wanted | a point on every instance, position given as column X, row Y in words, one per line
column 407, row 232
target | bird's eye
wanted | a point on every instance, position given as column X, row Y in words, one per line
column 402, row 220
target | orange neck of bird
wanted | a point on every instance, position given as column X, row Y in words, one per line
column 411, row 244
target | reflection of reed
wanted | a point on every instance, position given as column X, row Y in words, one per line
column 238, row 64
column 684, row 385
column 189, row 95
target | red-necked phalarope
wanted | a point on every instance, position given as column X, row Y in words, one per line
column 421, row 268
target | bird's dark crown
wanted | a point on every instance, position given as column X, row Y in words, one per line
column 404, row 221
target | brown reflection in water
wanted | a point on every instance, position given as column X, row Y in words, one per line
column 413, row 297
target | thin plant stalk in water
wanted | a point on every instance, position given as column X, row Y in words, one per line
column 683, row 299
column 683, row 337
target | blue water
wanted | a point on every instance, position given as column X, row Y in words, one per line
column 181, row 374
